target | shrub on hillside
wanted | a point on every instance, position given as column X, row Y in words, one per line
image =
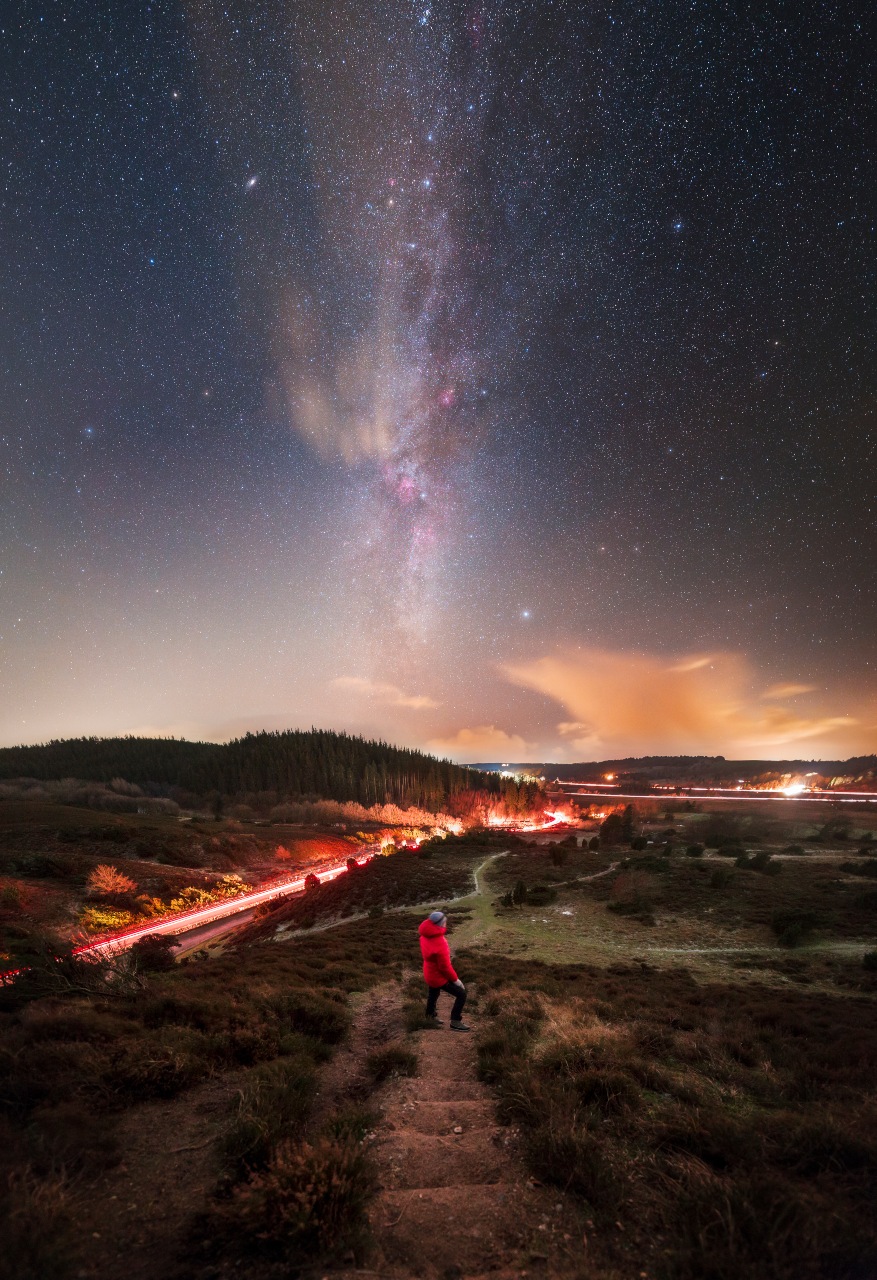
column 763, row 862
column 155, row 952
column 393, row 1060
column 540, row 895
column 694, row 851
column 721, row 878
column 107, row 881
column 309, row 1201
column 275, row 1097
column 867, row 868
column 793, row 925
column 104, row 919
column 634, row 894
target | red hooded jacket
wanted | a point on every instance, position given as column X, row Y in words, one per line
column 437, row 967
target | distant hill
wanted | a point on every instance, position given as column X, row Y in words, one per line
column 294, row 764
column 695, row 770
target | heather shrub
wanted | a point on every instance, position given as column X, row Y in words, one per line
column 154, row 953
column 393, row 1060
column 540, row 895
column 307, row 1203
column 275, row 1096
column 633, row 894
column 763, row 862
column 793, row 925
column 36, row 1229
column 721, row 877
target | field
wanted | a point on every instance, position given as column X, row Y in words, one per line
column 679, row 1039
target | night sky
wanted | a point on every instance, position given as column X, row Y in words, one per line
column 497, row 379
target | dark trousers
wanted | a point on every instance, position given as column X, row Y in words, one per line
column 455, row 989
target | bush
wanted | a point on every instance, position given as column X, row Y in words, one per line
column 155, row 1071
column 36, row 1229
column 721, row 878
column 277, row 1095
column 308, row 1203
column 694, row 851
column 869, row 961
column 109, row 882
column 540, row 895
column 154, row 953
column 639, row 843
column 793, row 925
column 69, row 1139
column 763, row 862
column 393, row 1060
column 867, row 868
column 635, row 888
column 104, row 919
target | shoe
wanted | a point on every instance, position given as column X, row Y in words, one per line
column 459, row 1026
column 435, row 1019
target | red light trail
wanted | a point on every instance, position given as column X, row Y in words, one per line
column 187, row 920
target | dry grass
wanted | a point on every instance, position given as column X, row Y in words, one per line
column 731, row 1132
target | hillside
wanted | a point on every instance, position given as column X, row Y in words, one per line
column 697, row 770
column 274, row 766
column 670, row 1074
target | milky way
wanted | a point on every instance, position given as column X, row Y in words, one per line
column 496, row 378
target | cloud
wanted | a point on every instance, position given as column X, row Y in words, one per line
column 790, row 690
column 641, row 703
column 484, row 742
column 390, row 694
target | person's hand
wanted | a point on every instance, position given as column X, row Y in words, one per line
column 461, row 983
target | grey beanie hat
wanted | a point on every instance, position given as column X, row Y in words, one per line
column 437, row 917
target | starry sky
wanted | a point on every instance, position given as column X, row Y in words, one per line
column 495, row 378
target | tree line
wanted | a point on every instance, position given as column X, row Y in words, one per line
column 295, row 764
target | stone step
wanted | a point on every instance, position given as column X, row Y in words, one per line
column 448, row 1089
column 418, row 1160
column 440, row 1117
column 432, row 1228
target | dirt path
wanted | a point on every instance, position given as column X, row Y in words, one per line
column 455, row 1198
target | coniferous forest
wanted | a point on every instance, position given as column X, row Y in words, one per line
column 293, row 764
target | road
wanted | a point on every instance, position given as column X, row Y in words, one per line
column 746, row 797
column 196, row 927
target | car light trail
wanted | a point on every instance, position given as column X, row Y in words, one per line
column 188, row 920
column 765, row 797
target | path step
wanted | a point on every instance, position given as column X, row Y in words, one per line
column 428, row 1160
column 440, row 1117
column 439, row 1225
column 449, row 1089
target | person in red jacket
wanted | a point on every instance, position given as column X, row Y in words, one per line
column 438, row 971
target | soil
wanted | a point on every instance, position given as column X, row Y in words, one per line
column 134, row 1222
